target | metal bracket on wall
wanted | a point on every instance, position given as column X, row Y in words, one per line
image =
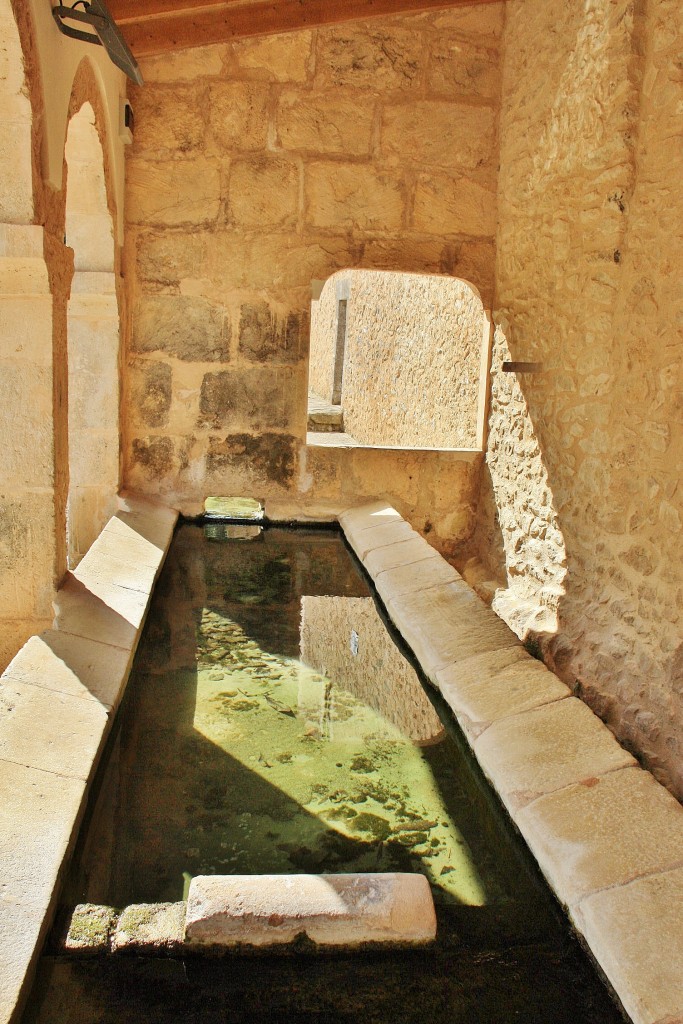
column 512, row 367
column 96, row 15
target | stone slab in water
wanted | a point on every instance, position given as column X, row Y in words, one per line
column 330, row 910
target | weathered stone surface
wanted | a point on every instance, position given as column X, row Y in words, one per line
column 439, row 134
column 580, row 458
column 325, row 123
column 636, row 933
column 246, row 398
column 73, row 666
column 604, row 832
column 363, row 541
column 264, row 191
column 21, row 934
column 129, row 604
column 544, row 749
column 415, row 339
column 405, row 552
column 409, row 579
column 102, row 567
column 238, row 115
column 364, row 517
column 186, row 327
column 149, row 927
column 447, row 624
column 152, row 392
column 154, row 455
column 168, row 257
column 264, row 335
column 166, row 120
column 38, row 811
column 268, row 456
column 185, row 65
column 277, row 58
column 372, row 56
column 50, row 730
column 81, row 613
column 461, row 68
column 331, row 910
column 89, row 929
column 173, row 192
column 352, row 195
column 456, row 204
column 149, row 520
column 481, row 692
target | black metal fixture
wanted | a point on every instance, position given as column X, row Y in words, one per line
column 95, row 14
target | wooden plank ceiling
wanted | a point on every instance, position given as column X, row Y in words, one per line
column 156, row 26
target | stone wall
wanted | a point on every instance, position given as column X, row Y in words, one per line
column 584, row 457
column 259, row 166
column 412, row 357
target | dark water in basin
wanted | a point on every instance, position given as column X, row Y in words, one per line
column 272, row 725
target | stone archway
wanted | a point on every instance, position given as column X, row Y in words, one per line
column 92, row 340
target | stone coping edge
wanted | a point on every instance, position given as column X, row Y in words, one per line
column 606, row 835
column 58, row 697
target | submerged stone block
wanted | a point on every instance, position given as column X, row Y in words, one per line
column 149, row 927
column 329, row 910
column 89, row 930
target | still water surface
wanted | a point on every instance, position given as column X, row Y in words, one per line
column 272, row 725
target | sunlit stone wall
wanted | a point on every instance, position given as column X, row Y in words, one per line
column 412, row 357
column 585, row 456
column 261, row 165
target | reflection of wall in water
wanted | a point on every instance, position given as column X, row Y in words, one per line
column 377, row 674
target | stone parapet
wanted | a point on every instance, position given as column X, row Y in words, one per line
column 607, row 836
column 57, row 699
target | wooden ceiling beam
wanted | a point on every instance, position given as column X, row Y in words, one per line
column 150, row 28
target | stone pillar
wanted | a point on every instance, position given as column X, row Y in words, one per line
column 93, row 347
column 27, row 510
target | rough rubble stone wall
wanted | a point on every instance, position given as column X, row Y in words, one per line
column 261, row 165
column 584, row 458
column 412, row 357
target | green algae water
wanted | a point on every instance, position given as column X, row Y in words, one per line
column 272, row 725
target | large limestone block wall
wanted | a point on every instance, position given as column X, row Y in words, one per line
column 582, row 504
column 412, row 357
column 259, row 166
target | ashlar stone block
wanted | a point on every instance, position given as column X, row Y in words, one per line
column 352, row 195
column 446, row 624
column 325, row 123
column 275, row 58
column 173, row 192
column 264, row 192
column 53, row 731
column 439, row 134
column 187, row 327
column 72, row 665
column 238, row 115
column 454, row 205
column 545, row 749
column 604, row 832
column 331, row 910
column 636, row 933
column 495, row 685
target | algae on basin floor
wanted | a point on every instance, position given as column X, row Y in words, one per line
column 273, row 726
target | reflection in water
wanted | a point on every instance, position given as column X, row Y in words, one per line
column 344, row 639
column 273, row 726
